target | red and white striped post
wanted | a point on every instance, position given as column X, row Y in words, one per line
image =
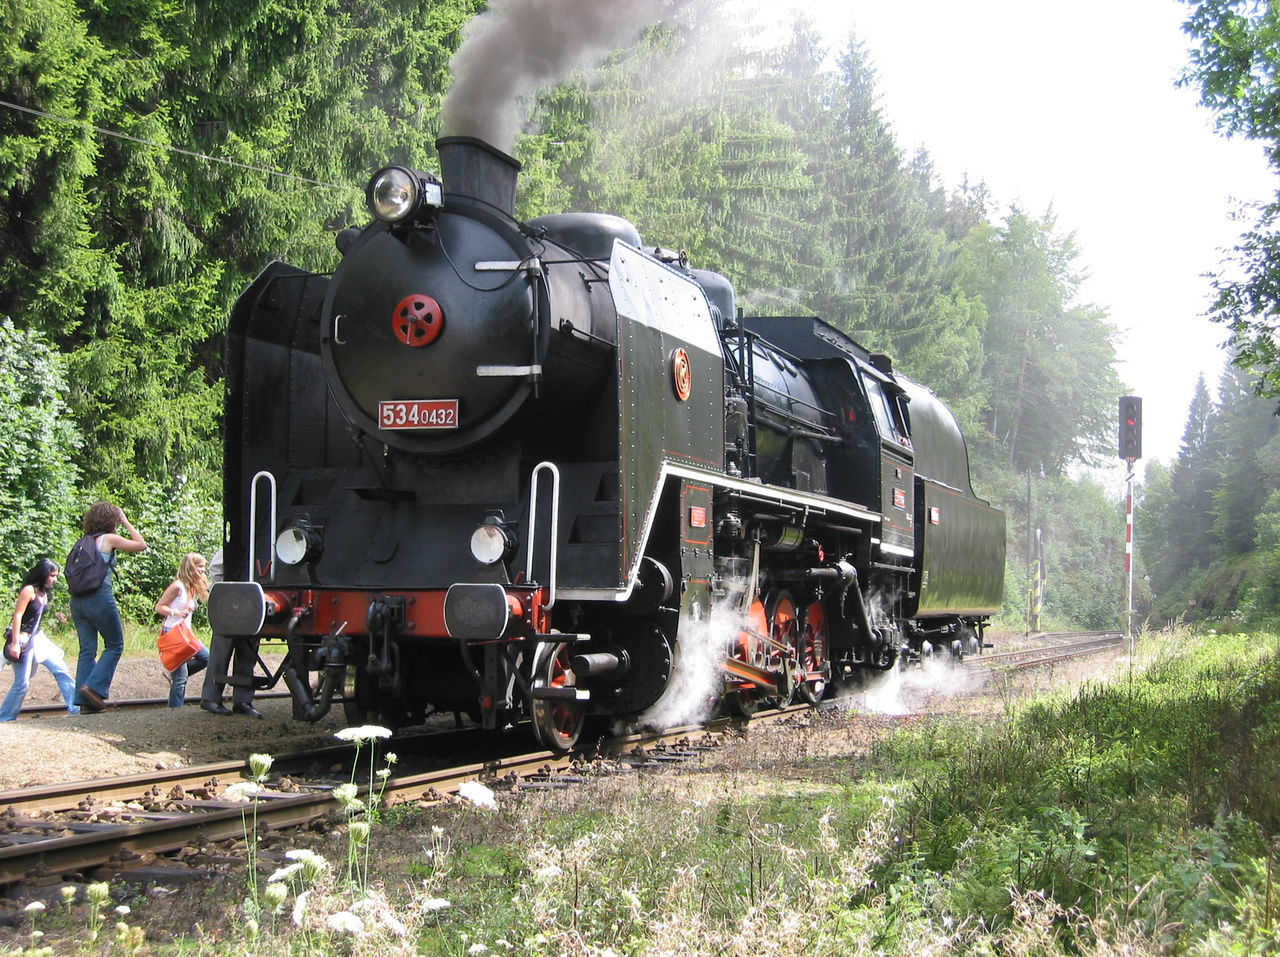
column 1128, row 547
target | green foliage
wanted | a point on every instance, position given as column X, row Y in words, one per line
column 1049, row 376
column 38, row 442
column 1075, row 798
column 126, row 250
column 1235, row 67
column 245, row 132
column 1207, row 525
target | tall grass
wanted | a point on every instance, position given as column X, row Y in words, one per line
column 1133, row 817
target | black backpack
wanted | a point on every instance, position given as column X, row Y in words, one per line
column 85, row 568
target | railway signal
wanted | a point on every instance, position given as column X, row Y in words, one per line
column 1130, row 427
column 1130, row 451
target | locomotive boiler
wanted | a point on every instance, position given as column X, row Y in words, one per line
column 530, row 471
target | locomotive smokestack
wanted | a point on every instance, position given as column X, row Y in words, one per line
column 516, row 46
column 472, row 168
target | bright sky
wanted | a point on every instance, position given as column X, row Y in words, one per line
column 1073, row 105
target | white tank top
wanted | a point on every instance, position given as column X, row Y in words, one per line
column 178, row 605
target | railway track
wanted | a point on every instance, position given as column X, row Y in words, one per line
column 68, row 830
column 132, row 704
column 1067, row 645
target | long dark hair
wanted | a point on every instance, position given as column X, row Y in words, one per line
column 38, row 577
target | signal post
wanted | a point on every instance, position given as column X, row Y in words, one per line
column 1130, row 451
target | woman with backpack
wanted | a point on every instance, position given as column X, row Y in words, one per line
column 26, row 644
column 95, row 613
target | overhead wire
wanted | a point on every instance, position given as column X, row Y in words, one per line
column 172, row 149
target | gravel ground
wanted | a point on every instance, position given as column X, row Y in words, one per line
column 55, row 748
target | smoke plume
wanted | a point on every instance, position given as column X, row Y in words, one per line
column 519, row 46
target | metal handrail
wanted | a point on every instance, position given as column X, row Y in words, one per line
column 555, row 526
column 253, row 521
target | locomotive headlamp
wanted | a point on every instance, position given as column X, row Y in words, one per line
column 297, row 544
column 397, row 194
column 492, row 542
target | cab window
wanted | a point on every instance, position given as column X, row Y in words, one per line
column 880, row 409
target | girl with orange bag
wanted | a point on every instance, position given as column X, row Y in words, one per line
column 176, row 604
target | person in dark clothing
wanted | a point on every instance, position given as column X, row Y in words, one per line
column 241, row 653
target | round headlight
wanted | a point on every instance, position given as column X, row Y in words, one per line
column 491, row 543
column 393, row 194
column 295, row 545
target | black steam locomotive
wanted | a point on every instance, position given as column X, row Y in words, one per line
column 535, row 470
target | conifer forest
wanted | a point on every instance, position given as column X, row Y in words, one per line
column 155, row 156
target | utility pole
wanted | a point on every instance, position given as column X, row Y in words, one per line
column 1037, row 582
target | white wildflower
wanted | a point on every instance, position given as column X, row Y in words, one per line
column 477, row 949
column 300, row 908
column 283, row 873
column 384, row 773
column 346, row 794
column 242, row 790
column 434, row 904
column 123, row 910
column 548, row 872
column 345, row 922
column 275, row 892
column 301, row 854
column 34, row 907
column 98, row 893
column 359, row 832
column 477, row 794
column 313, row 868
column 393, row 923
column 68, row 893
column 366, row 732
column 251, row 928
column 259, row 765
column 391, row 758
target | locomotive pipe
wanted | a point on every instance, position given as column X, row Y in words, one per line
column 818, row 573
column 601, row 664
column 304, row 707
column 477, row 170
column 860, row 618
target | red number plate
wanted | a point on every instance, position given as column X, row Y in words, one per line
column 418, row 414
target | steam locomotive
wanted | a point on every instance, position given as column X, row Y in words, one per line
column 538, row 473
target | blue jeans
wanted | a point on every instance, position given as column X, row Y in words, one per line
column 97, row 614
column 22, row 672
column 178, row 676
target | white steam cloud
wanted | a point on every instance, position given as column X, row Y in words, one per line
column 698, row 678
column 519, row 46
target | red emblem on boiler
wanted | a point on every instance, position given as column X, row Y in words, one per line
column 681, row 374
column 417, row 320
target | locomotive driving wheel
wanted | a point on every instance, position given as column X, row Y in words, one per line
column 354, row 709
column 744, row 699
column 557, row 721
column 814, row 653
column 784, row 629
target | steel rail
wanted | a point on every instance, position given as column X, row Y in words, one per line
column 217, row 820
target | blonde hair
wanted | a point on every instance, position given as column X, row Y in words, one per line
column 193, row 576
